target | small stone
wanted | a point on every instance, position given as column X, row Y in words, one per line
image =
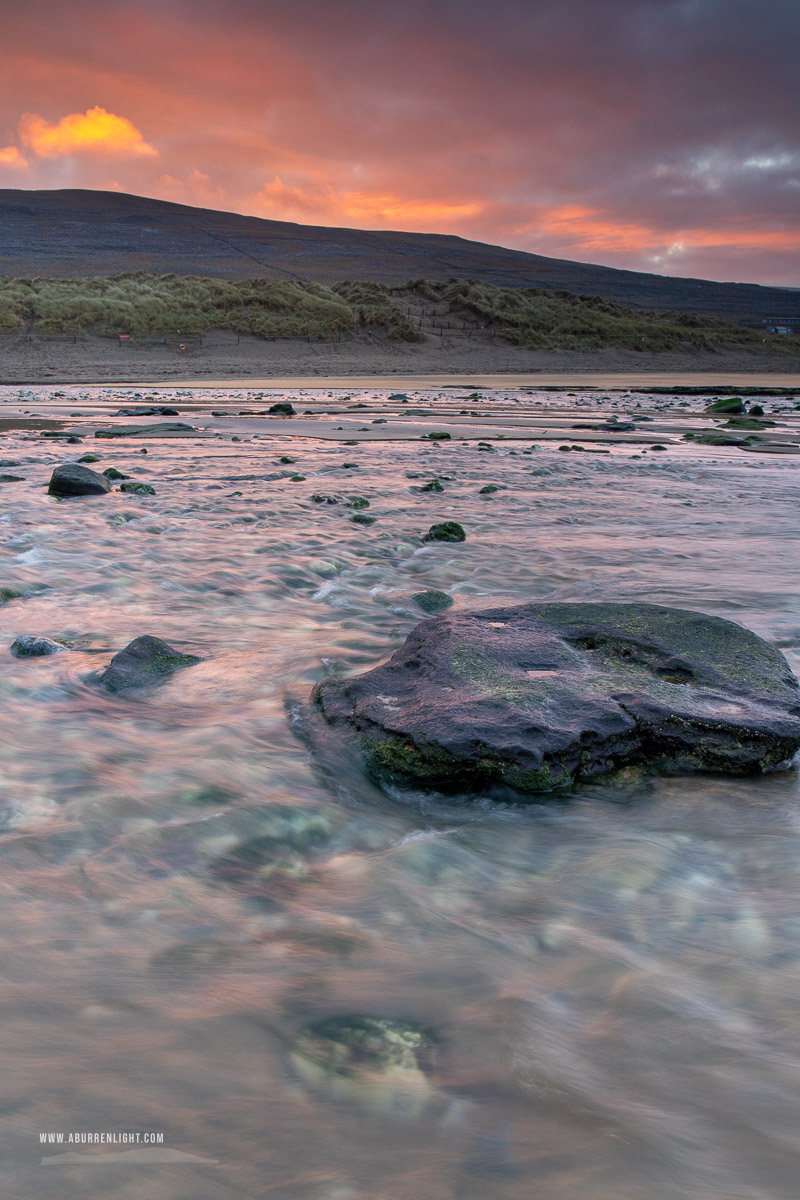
column 358, row 502
column 136, row 488
column 446, row 531
column 363, row 519
column 143, row 661
column 71, row 479
column 284, row 458
column 433, row 486
column 437, row 436
column 28, row 646
column 12, row 478
column 486, row 491
column 113, row 473
column 432, row 601
column 87, row 458
column 297, row 478
column 281, row 409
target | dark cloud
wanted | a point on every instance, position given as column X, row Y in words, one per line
column 645, row 133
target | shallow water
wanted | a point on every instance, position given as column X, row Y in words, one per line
column 612, row 978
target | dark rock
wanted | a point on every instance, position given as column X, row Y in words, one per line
column 286, row 458
column 87, row 458
column 164, row 427
column 357, row 502
column 144, row 661
column 282, row 409
column 433, row 486
column 28, row 646
column 537, row 697
column 437, row 437
column 322, row 498
column 71, row 479
column 432, row 601
column 137, row 489
column 446, row 531
column 727, row 404
column 12, row 478
column 755, row 410
column 113, row 473
column 363, row 519
column 297, row 478
column 158, row 410
column 717, row 439
column 73, row 440
column 487, row 491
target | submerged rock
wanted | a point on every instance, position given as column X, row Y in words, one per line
column 71, row 479
column 29, row 646
column 113, row 473
column 539, row 696
column 144, row 661
column 432, row 600
column 283, row 849
column 375, row 1062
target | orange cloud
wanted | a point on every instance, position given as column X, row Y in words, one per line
column 324, row 201
column 590, row 229
column 10, row 156
column 94, row 132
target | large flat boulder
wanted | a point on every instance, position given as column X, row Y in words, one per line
column 539, row 696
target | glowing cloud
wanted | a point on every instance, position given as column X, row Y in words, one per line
column 10, row 156
column 320, row 200
column 94, row 132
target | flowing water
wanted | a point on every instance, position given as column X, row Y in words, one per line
column 612, row 977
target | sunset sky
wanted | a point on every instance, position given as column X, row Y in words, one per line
column 659, row 135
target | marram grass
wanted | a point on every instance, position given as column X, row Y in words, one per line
column 145, row 306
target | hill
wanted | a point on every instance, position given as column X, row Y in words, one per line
column 76, row 233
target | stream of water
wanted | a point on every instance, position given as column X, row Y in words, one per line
column 612, row 977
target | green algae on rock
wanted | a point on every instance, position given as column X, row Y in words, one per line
column 377, row 1062
column 144, row 661
column 432, row 600
column 538, row 697
column 446, row 531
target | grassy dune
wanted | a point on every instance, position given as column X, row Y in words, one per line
column 541, row 320
column 144, row 305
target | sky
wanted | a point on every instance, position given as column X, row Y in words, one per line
column 655, row 135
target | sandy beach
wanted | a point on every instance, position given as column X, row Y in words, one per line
column 224, row 358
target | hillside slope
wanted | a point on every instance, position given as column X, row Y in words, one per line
column 75, row 233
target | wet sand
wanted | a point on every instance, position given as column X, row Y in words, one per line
column 222, row 360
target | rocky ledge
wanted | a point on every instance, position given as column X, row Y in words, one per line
column 540, row 696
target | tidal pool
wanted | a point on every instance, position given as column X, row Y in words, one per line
column 606, row 983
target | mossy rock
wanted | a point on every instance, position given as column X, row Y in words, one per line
column 144, row 661
column 445, row 531
column 727, row 404
column 433, row 601
column 135, row 488
column 378, row 1063
column 539, row 697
